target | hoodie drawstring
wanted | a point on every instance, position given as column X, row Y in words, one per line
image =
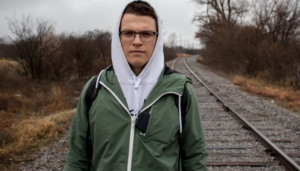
column 137, row 81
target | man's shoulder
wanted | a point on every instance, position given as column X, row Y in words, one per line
column 176, row 76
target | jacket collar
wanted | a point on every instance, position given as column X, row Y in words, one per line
column 169, row 82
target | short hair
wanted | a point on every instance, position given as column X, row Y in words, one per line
column 141, row 8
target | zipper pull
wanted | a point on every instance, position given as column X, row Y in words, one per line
column 133, row 123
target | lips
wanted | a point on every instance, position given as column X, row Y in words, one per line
column 137, row 51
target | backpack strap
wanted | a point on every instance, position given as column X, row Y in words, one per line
column 184, row 103
column 181, row 103
column 184, row 98
column 169, row 71
column 90, row 96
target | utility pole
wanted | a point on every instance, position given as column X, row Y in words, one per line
column 180, row 41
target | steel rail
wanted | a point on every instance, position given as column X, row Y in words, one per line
column 174, row 63
column 280, row 155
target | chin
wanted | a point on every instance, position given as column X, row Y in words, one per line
column 137, row 63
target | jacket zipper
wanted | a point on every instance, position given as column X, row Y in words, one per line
column 132, row 127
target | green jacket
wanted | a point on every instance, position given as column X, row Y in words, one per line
column 119, row 146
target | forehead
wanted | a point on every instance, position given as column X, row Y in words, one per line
column 137, row 23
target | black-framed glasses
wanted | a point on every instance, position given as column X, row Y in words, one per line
column 145, row 36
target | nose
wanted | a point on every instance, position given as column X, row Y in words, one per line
column 137, row 39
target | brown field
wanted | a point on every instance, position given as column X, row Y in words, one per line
column 179, row 55
column 7, row 62
column 31, row 114
column 285, row 96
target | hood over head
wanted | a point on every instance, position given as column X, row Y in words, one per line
column 137, row 88
column 122, row 68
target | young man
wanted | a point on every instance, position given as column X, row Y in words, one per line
column 134, row 121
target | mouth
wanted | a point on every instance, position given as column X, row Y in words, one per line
column 137, row 51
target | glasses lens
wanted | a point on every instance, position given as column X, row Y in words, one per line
column 147, row 36
column 127, row 36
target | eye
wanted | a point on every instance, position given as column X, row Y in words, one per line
column 146, row 34
column 128, row 33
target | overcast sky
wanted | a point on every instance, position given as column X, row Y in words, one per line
column 84, row 15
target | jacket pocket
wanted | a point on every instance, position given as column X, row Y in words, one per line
column 163, row 125
column 148, row 125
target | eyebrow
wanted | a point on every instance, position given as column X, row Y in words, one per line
column 134, row 31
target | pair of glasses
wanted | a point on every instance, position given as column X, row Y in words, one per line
column 145, row 36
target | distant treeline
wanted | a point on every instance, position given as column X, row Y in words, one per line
column 255, row 38
column 170, row 52
column 45, row 55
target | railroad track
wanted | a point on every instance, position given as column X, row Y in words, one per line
column 236, row 138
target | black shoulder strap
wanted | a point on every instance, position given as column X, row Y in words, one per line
column 91, row 93
column 184, row 103
column 184, row 97
column 169, row 71
column 90, row 96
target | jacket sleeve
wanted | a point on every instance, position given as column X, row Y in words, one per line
column 77, row 153
column 193, row 147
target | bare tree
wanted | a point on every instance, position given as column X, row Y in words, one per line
column 267, row 47
column 221, row 11
column 102, row 40
column 218, row 28
column 81, row 49
column 34, row 43
column 219, row 19
column 278, row 19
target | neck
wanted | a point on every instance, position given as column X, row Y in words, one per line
column 137, row 70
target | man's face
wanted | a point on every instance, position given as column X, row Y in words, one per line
column 138, row 52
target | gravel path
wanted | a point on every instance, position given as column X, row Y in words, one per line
column 53, row 158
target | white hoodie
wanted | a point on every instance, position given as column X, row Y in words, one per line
column 136, row 88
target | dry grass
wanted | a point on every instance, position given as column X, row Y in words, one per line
column 179, row 55
column 8, row 62
column 33, row 100
column 283, row 95
column 29, row 114
column 200, row 59
column 29, row 133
